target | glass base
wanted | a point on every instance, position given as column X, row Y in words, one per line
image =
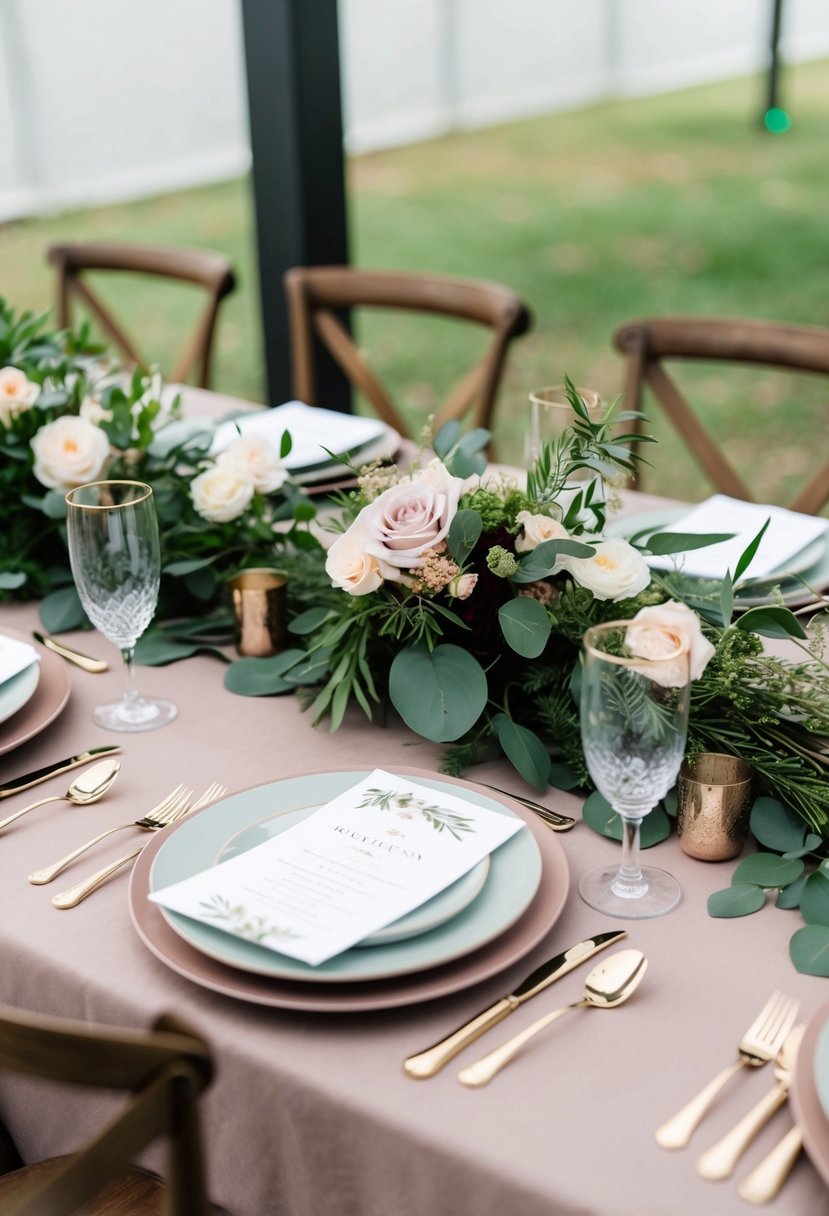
column 143, row 713
column 655, row 895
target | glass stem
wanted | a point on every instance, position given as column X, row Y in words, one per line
column 630, row 870
column 131, row 695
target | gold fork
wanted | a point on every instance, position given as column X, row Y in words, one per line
column 74, row 895
column 157, row 818
column 760, row 1043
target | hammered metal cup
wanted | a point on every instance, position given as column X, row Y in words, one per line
column 714, row 803
column 258, row 612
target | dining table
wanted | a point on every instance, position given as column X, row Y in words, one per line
column 310, row 1112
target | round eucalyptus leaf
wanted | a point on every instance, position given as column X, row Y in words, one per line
column 789, row 897
column 564, row 776
column 525, row 623
column 524, row 750
column 439, row 694
column 776, row 827
column 262, row 677
column 771, row 622
column 599, row 815
column 156, row 649
column 61, row 610
column 11, row 579
column 814, row 902
column 767, row 870
column 809, row 950
column 739, row 900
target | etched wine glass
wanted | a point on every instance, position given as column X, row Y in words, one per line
column 635, row 688
column 114, row 551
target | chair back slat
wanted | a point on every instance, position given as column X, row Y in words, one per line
column 316, row 294
column 646, row 343
column 201, row 267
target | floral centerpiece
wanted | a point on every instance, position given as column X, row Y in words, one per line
column 68, row 415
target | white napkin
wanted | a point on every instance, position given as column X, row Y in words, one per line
column 15, row 657
column 787, row 535
column 311, row 429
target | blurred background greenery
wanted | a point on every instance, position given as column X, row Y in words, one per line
column 679, row 203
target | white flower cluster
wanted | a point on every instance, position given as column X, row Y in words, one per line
column 224, row 491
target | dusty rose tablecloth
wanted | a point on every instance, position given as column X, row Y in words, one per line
column 311, row 1114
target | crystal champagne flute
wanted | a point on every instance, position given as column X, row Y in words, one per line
column 114, row 551
column 634, row 724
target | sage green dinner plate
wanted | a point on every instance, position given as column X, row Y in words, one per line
column 14, row 693
column 203, row 839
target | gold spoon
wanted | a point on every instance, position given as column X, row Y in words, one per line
column 84, row 661
column 608, row 985
column 89, row 786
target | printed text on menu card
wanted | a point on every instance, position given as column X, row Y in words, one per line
column 364, row 859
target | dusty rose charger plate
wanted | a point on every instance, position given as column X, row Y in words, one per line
column 804, row 1097
column 44, row 705
column 345, row 997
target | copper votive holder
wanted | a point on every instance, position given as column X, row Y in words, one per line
column 259, row 612
column 714, row 801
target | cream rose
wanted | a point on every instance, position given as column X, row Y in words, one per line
column 351, row 568
column 69, row 452
column 463, row 585
column 221, row 494
column 410, row 517
column 616, row 571
column 254, row 457
column 663, row 629
column 537, row 529
column 17, row 394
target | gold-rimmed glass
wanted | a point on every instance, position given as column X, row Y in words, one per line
column 114, row 552
column 635, row 689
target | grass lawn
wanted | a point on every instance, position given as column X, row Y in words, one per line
column 670, row 204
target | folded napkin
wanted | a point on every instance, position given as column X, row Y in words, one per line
column 15, row 657
column 312, row 431
column 787, row 535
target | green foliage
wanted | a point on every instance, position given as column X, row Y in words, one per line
column 524, row 750
column 525, row 625
column 599, row 815
column 439, row 693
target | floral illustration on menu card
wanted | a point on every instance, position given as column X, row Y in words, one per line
column 406, row 806
column 236, row 919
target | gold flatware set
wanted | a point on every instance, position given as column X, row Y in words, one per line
column 772, row 1036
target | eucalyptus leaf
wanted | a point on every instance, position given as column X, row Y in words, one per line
column 156, row 649
column 62, row 609
column 767, row 870
column 189, row 566
column 525, row 623
column 541, row 561
column 809, row 950
column 789, row 897
column 261, row 677
column 663, row 544
column 439, row 694
column 564, row 776
column 741, row 899
column 309, row 621
column 312, row 668
column 446, row 438
column 464, row 532
column 599, row 815
column 776, row 827
column 10, row 580
column 771, row 622
column 814, row 902
column 524, row 750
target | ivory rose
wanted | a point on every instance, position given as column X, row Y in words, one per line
column 351, row 568
column 537, row 529
column 254, row 457
column 221, row 494
column 662, row 629
column 616, row 571
column 410, row 517
column 69, row 452
column 17, row 394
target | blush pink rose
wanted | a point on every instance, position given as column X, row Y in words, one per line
column 665, row 629
column 410, row 517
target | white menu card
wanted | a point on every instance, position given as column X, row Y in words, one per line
column 788, row 534
column 15, row 656
column 369, row 856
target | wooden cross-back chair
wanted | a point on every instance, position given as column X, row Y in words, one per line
column 316, row 294
column 206, row 269
column 646, row 343
column 166, row 1069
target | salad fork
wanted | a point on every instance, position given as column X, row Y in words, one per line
column 760, row 1043
column 157, row 818
column 74, row 895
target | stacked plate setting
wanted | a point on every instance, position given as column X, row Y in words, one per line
column 34, row 687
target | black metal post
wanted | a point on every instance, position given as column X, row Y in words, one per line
column 293, row 72
column 773, row 78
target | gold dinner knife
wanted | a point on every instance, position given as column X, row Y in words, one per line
column 17, row 784
column 72, row 656
column 429, row 1062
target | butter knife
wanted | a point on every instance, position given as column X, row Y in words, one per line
column 429, row 1062
column 72, row 656
column 553, row 819
column 51, row 770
